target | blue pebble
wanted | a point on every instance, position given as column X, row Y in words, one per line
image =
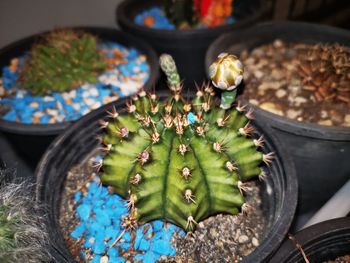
column 157, row 225
column 10, row 115
column 144, row 245
column 83, row 211
column 88, row 243
column 99, row 247
column 96, row 259
column 139, row 236
column 124, row 245
column 78, row 231
column 116, row 260
column 161, row 247
column 102, row 217
column 149, row 257
column 77, row 197
column 111, row 232
column 139, row 257
column 191, row 118
column 127, row 236
column 113, row 252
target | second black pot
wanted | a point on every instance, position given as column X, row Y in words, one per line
column 321, row 242
column 79, row 142
column 188, row 46
column 320, row 153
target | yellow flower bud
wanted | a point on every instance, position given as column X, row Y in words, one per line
column 226, row 72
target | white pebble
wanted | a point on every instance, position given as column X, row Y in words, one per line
column 104, row 259
column 243, row 239
column 59, row 105
column 34, row 104
column 85, row 94
column 94, row 92
column 48, row 98
column 52, row 112
column 281, row 93
column 96, row 105
column 76, row 106
column 20, row 94
column 73, row 93
column 60, row 118
column 255, row 242
column 254, row 102
column 293, row 114
column 347, row 119
column 89, row 102
column 65, row 96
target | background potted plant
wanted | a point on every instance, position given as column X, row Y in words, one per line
column 323, row 242
column 51, row 79
column 319, row 151
column 180, row 32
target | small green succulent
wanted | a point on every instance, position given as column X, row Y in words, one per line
column 64, row 60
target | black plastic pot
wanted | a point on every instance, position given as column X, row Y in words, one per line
column 321, row 242
column 31, row 140
column 320, row 153
column 188, row 47
column 79, row 141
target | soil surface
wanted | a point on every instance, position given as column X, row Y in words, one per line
column 309, row 83
column 344, row 259
column 225, row 238
column 221, row 238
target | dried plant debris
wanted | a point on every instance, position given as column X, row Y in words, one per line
column 304, row 82
column 23, row 233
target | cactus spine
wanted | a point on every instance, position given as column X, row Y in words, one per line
column 180, row 160
column 64, row 60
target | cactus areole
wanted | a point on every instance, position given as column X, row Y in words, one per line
column 178, row 160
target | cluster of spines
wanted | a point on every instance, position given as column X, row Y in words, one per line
column 148, row 122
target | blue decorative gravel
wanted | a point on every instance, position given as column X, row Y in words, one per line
column 122, row 80
column 160, row 19
column 100, row 216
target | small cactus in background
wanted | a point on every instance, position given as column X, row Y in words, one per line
column 64, row 60
column 180, row 160
column 23, row 233
column 180, row 12
column 187, row 13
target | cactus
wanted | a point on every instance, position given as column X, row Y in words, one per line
column 180, row 12
column 187, row 13
column 23, row 233
column 64, row 60
column 181, row 160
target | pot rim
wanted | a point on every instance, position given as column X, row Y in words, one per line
column 311, row 130
column 310, row 237
column 125, row 39
column 287, row 173
column 122, row 19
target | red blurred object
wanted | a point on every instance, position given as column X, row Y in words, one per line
column 202, row 6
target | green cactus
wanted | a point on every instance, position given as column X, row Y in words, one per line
column 64, row 60
column 180, row 160
column 180, row 12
